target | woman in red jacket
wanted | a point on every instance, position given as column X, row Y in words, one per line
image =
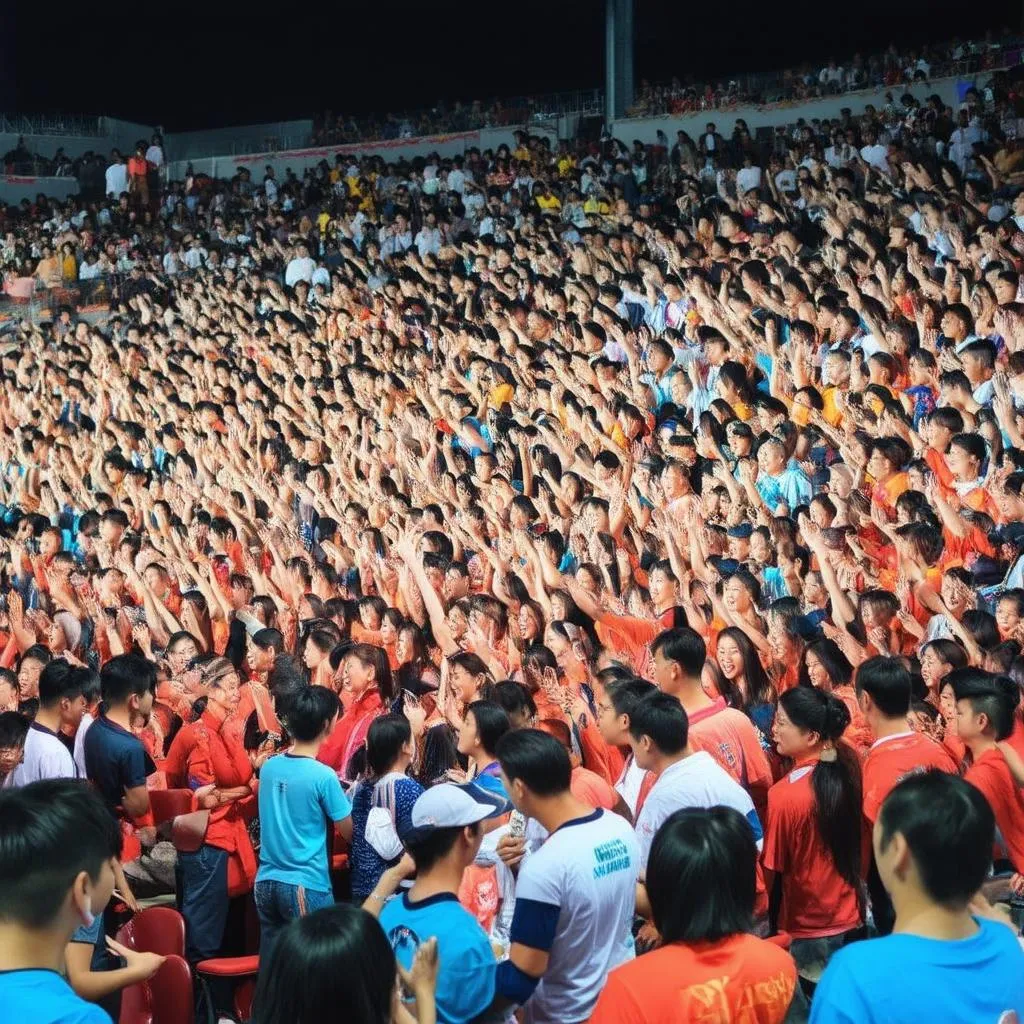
column 206, row 757
column 367, row 692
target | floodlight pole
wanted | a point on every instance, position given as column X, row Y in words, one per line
column 618, row 59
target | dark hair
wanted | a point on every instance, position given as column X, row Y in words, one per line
column 661, row 717
column 759, row 686
column 701, row 875
column 627, row 693
column 384, row 741
column 685, row 647
column 50, row 831
column 335, row 957
column 887, row 680
column 269, row 638
column 377, row 658
column 836, row 665
column 535, row 758
column 127, row 675
column 427, row 848
column 491, row 722
column 13, row 729
column 994, row 696
column 835, row 784
column 58, row 681
column 950, row 830
column 309, row 711
column 514, row 697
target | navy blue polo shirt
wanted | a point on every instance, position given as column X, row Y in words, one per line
column 115, row 760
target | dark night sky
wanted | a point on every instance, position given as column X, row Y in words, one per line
column 211, row 63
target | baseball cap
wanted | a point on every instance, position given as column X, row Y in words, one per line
column 449, row 805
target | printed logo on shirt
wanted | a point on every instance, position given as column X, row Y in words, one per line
column 611, row 857
column 404, row 938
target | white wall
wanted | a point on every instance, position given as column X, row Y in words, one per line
column 14, row 188
column 645, row 128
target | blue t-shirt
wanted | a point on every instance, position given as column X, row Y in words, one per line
column 465, row 988
column 115, row 760
column 367, row 864
column 298, row 797
column 44, row 997
column 906, row 979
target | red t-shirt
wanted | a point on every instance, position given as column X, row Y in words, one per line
column 350, row 732
column 991, row 775
column 741, row 978
column 731, row 739
column 588, row 787
column 892, row 759
column 816, row 900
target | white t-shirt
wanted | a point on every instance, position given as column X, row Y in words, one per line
column 876, row 155
column 748, row 178
column 629, row 783
column 155, row 155
column 696, row 781
column 117, row 179
column 79, row 758
column 588, row 869
column 46, row 757
column 299, row 269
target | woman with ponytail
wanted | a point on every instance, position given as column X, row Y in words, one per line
column 813, row 832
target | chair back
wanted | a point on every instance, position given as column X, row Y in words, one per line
column 158, row 930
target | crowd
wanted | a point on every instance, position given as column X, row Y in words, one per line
column 571, row 583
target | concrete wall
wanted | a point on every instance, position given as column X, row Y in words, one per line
column 249, row 138
column 14, row 188
column 298, row 160
column 645, row 128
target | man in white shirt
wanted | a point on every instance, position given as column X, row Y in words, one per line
column 575, row 896
column 456, row 177
column 155, row 153
column 874, row 153
column 428, row 238
column 748, row 177
column 659, row 736
column 116, row 175
column 300, row 267
column 61, row 705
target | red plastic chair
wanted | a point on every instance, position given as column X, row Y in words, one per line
column 169, row 803
column 158, row 930
column 241, row 969
column 781, row 939
column 170, row 990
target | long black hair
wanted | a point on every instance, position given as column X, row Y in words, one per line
column 836, row 783
column 338, row 956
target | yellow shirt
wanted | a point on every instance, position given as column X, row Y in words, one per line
column 549, row 202
column 501, row 395
column 595, row 205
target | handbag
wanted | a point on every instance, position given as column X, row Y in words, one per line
column 188, row 831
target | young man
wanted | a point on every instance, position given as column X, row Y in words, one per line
column 984, row 718
column 58, row 854
column 724, row 732
column 61, row 704
column 633, row 783
column 116, row 762
column 13, row 731
column 685, row 777
column 443, row 841
column 575, row 896
column 883, row 695
column 933, row 846
column 299, row 799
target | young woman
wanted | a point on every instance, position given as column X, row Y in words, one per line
column 826, row 668
column 367, row 692
column 704, row 916
column 485, row 723
column 745, row 684
column 340, row 960
column 382, row 802
column 813, row 829
column 206, row 757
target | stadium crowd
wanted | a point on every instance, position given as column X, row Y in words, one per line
column 616, row 553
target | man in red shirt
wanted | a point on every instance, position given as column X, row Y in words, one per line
column 985, row 706
column 138, row 177
column 724, row 732
column 883, row 695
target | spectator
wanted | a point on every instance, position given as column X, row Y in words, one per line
column 703, row 912
column 298, row 796
column 933, row 846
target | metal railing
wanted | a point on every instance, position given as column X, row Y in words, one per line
column 51, row 124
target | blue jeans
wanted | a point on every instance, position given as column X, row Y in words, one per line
column 204, row 900
column 278, row 903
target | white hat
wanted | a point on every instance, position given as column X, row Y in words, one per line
column 451, row 806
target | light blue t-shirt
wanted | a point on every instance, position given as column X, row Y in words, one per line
column 298, row 796
column 465, row 988
column 44, row 997
column 906, row 979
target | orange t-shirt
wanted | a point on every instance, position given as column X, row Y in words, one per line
column 991, row 775
column 816, row 900
column 892, row 759
column 589, row 788
column 731, row 739
column 740, row 978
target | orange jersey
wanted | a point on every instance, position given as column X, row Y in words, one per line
column 991, row 775
column 892, row 759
